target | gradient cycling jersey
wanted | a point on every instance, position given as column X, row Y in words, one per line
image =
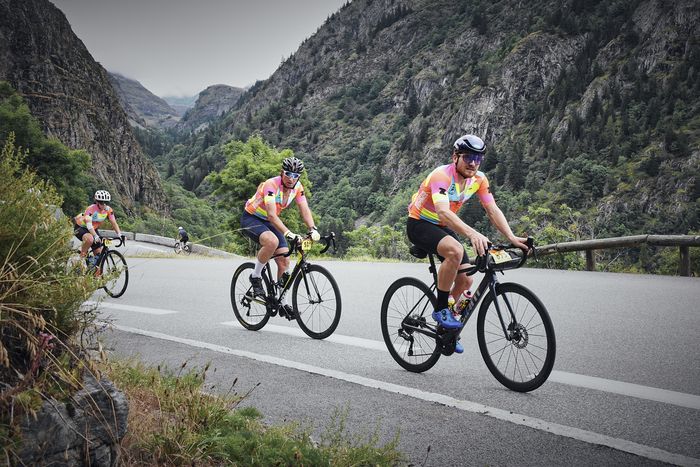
column 441, row 187
column 272, row 190
column 96, row 215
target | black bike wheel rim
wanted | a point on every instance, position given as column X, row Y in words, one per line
column 524, row 363
column 251, row 314
column 409, row 297
column 116, row 273
column 318, row 307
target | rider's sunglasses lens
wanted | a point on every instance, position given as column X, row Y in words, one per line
column 474, row 157
column 292, row 174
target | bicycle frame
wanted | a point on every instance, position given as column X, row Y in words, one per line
column 489, row 282
column 275, row 296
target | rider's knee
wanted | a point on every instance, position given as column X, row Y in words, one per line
column 269, row 239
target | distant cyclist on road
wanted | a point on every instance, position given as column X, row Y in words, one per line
column 433, row 224
column 260, row 220
column 182, row 236
column 86, row 223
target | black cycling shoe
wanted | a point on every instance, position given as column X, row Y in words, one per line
column 288, row 312
column 256, row 283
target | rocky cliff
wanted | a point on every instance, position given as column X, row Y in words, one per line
column 72, row 96
column 591, row 104
column 144, row 108
column 212, row 103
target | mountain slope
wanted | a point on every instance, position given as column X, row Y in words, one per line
column 588, row 107
column 72, row 97
column 213, row 102
column 142, row 106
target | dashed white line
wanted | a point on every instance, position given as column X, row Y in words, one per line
column 137, row 309
column 468, row 406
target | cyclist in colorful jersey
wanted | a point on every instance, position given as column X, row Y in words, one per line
column 260, row 221
column 433, row 223
column 86, row 223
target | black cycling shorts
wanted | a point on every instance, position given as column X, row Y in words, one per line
column 252, row 227
column 79, row 231
column 427, row 235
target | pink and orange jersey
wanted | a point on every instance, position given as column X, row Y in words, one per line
column 441, row 187
column 272, row 190
column 95, row 215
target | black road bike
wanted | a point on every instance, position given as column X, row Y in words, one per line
column 514, row 331
column 316, row 301
column 110, row 265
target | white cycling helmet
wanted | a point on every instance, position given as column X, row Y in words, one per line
column 103, row 196
column 180, row 228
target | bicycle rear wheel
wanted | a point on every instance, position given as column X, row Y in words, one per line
column 187, row 248
column 316, row 300
column 115, row 271
column 523, row 363
column 409, row 302
column 250, row 311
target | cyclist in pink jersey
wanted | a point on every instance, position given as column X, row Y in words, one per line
column 85, row 224
column 260, row 220
column 433, row 223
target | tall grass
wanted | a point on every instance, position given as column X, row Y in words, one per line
column 172, row 422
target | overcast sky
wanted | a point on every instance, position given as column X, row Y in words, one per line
column 179, row 47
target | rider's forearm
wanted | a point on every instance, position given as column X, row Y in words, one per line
column 498, row 219
column 307, row 218
column 452, row 220
column 277, row 223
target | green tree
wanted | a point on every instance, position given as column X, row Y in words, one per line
column 52, row 161
column 248, row 165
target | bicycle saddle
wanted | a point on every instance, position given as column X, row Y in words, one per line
column 417, row 252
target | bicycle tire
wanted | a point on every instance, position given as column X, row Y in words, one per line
column 409, row 296
column 318, row 320
column 251, row 314
column 529, row 359
column 113, row 263
column 187, row 249
column 177, row 248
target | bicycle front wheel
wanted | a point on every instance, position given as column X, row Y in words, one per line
column 408, row 304
column 177, row 248
column 115, row 271
column 523, row 362
column 250, row 311
column 316, row 300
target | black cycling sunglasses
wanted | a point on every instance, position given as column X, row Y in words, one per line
column 475, row 157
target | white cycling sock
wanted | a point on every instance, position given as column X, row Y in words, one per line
column 257, row 272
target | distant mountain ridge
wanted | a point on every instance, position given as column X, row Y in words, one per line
column 71, row 95
column 144, row 108
column 211, row 104
column 181, row 104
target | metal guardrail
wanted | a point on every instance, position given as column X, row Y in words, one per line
column 683, row 242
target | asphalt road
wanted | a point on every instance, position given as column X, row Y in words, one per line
column 624, row 390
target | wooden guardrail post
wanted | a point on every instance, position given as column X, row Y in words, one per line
column 684, row 260
column 590, row 260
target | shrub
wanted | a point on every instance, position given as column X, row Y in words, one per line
column 39, row 296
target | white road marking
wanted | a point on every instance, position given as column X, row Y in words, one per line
column 468, row 406
column 665, row 396
column 137, row 309
column 336, row 338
